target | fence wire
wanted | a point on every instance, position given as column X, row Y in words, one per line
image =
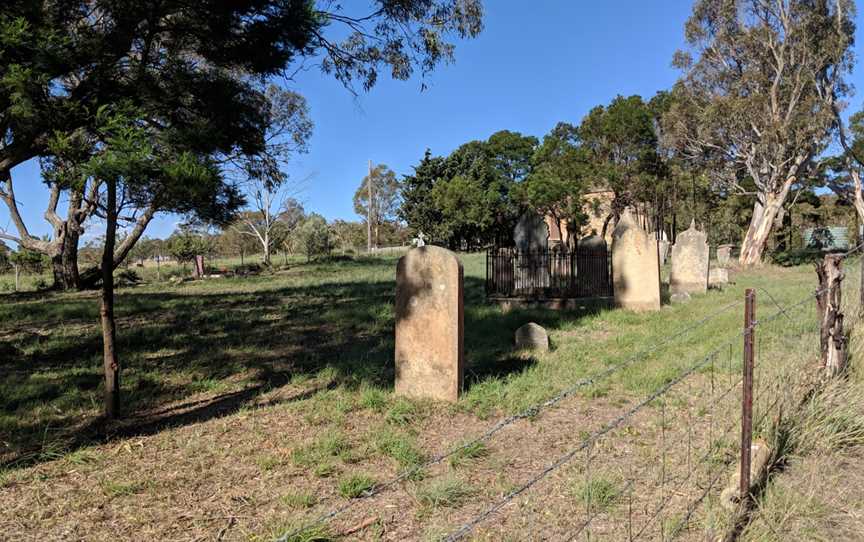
column 668, row 486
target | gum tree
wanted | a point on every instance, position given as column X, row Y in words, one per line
column 755, row 104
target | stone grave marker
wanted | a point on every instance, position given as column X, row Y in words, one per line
column 689, row 262
column 532, row 336
column 531, row 233
column 635, row 266
column 429, row 324
column 724, row 254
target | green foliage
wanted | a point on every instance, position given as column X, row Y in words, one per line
column 466, row 198
column 312, row 236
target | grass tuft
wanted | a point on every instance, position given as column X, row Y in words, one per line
column 599, row 493
column 355, row 485
column 469, row 454
column 299, row 501
column 444, row 493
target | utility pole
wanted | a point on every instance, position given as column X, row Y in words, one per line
column 369, row 210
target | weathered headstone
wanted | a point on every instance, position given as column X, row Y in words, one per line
column 724, row 254
column 532, row 336
column 718, row 276
column 531, row 232
column 689, row 262
column 429, row 324
column 635, row 266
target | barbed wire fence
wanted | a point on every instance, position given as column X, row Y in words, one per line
column 664, row 468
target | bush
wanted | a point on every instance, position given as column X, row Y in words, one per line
column 799, row 256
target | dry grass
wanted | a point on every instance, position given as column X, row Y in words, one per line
column 321, row 421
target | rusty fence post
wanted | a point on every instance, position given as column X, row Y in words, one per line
column 747, row 392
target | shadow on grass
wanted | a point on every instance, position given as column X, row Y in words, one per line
column 234, row 347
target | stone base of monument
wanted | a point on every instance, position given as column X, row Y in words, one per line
column 688, row 287
column 508, row 304
column 718, row 277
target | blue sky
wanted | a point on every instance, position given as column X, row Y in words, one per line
column 530, row 68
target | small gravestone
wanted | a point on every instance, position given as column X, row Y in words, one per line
column 532, row 336
column 635, row 266
column 429, row 324
column 717, row 277
column 724, row 254
column 531, row 233
column 689, row 262
column 592, row 243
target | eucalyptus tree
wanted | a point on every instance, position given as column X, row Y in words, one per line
column 757, row 98
column 379, row 201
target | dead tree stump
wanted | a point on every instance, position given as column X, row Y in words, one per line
column 832, row 338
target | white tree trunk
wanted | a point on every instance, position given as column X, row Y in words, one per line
column 761, row 225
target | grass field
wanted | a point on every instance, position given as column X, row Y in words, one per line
column 254, row 403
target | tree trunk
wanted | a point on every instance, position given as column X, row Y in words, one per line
column 761, row 224
column 65, row 263
column 89, row 278
column 832, row 338
column 106, row 312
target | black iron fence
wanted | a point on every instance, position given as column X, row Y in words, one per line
column 548, row 273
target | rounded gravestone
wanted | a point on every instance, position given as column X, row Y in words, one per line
column 429, row 324
column 635, row 266
column 532, row 336
column 689, row 271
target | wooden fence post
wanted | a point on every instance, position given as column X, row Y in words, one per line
column 832, row 338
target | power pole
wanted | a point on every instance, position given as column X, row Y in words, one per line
column 369, row 210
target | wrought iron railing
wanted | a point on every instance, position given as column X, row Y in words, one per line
column 548, row 273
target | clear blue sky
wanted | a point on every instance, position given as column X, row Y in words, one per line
column 535, row 64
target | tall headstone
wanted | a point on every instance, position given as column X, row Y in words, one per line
column 531, row 232
column 689, row 262
column 429, row 324
column 635, row 266
column 531, row 266
column 724, row 254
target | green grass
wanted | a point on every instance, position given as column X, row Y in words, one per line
column 468, row 454
column 399, row 446
column 448, row 492
column 597, row 492
column 327, row 324
column 355, row 485
column 299, row 501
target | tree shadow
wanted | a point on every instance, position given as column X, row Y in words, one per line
column 173, row 344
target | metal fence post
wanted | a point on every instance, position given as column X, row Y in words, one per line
column 747, row 392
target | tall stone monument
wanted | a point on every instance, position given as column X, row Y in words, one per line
column 531, row 233
column 635, row 266
column 429, row 324
column 689, row 262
